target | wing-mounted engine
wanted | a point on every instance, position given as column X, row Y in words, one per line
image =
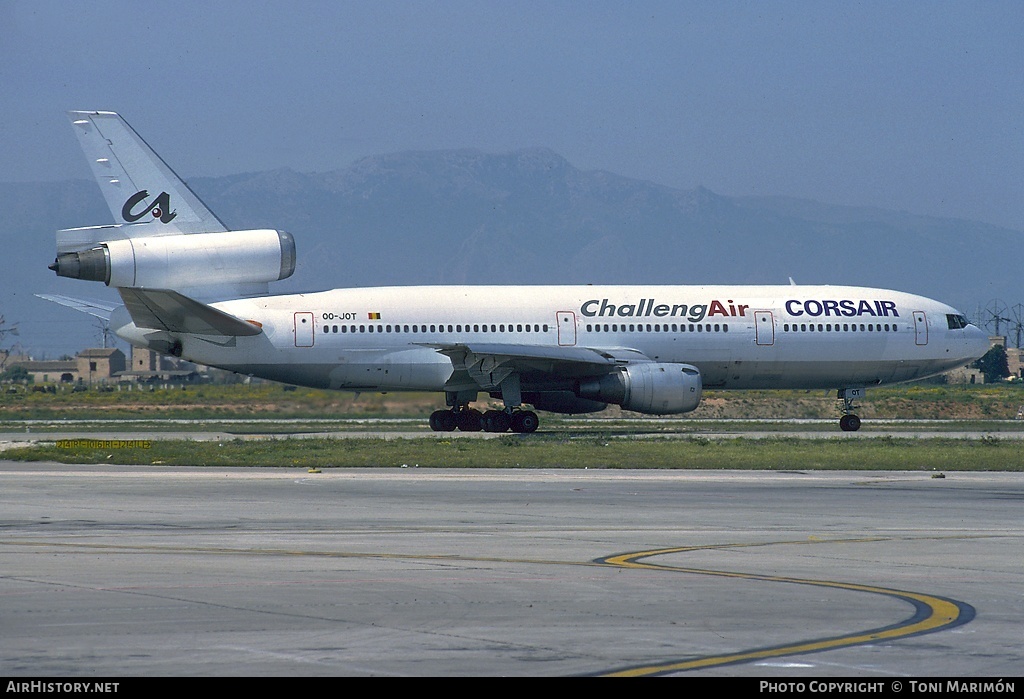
column 652, row 388
column 565, row 402
column 183, row 261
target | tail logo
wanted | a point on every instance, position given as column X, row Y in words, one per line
column 160, row 207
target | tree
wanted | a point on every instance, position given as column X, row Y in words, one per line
column 17, row 374
column 4, row 332
column 994, row 365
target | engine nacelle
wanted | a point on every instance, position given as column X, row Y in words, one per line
column 565, row 402
column 654, row 388
column 177, row 261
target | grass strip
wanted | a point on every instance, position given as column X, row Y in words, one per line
column 556, row 451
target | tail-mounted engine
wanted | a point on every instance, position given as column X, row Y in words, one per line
column 652, row 388
column 175, row 261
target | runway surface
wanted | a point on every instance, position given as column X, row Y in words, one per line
column 155, row 571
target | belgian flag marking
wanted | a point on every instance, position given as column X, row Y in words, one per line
column 374, row 316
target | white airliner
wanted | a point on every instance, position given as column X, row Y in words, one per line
column 193, row 289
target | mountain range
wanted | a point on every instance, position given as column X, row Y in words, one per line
column 525, row 217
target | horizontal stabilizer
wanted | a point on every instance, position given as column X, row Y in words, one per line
column 100, row 309
column 162, row 309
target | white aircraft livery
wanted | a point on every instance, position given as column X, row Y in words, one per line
column 192, row 288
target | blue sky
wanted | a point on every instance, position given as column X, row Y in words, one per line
column 915, row 106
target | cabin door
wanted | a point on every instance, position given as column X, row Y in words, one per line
column 920, row 328
column 303, row 329
column 764, row 328
column 566, row 327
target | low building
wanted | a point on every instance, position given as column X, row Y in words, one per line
column 148, row 366
column 1013, row 362
column 965, row 374
column 54, row 371
column 100, row 365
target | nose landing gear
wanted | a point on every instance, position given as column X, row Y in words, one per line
column 849, row 422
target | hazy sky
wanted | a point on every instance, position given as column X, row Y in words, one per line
column 899, row 104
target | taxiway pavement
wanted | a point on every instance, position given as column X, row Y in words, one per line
column 114, row 571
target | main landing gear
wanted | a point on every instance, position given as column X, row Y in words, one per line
column 849, row 422
column 467, row 419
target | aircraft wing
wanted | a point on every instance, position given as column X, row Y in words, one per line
column 162, row 309
column 486, row 365
column 100, row 309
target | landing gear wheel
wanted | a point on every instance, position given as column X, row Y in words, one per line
column 468, row 420
column 849, row 423
column 442, row 421
column 524, row 421
column 496, row 421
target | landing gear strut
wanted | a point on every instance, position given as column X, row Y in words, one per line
column 849, row 422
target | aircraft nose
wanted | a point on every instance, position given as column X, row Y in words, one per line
column 977, row 341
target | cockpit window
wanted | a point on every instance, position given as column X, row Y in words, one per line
column 955, row 321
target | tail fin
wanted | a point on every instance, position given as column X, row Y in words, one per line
column 164, row 236
column 138, row 185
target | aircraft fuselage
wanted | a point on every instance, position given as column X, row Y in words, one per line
column 739, row 337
